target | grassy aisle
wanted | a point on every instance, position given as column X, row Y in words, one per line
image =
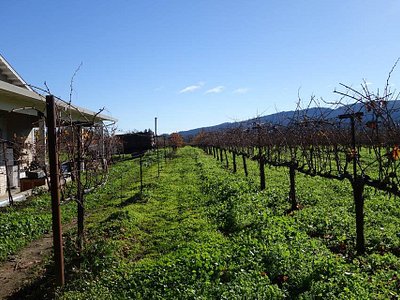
column 161, row 245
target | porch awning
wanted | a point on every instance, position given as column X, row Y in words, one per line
column 24, row 101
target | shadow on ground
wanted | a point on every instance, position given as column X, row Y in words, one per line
column 137, row 198
column 41, row 288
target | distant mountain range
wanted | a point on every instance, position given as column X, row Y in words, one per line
column 285, row 117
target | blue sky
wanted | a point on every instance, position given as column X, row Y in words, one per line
column 199, row 63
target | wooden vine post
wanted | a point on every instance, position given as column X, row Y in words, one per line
column 55, row 191
column 292, row 192
column 262, row 170
column 234, row 161
column 260, row 157
column 226, row 159
column 357, row 183
column 246, row 173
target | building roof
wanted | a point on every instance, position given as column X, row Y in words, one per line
column 17, row 96
column 8, row 74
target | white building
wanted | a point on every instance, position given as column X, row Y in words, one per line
column 22, row 122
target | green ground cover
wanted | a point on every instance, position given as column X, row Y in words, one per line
column 201, row 232
column 26, row 221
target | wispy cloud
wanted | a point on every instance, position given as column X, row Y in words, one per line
column 216, row 90
column 241, row 91
column 191, row 88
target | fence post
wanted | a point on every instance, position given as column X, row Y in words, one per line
column 55, row 191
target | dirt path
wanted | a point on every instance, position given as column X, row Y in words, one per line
column 24, row 266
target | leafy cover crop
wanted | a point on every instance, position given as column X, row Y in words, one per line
column 27, row 221
column 200, row 232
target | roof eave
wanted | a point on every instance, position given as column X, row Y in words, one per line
column 29, row 98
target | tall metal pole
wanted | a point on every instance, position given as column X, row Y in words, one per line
column 141, row 173
column 165, row 150
column 79, row 192
column 158, row 159
column 103, row 148
column 55, row 191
